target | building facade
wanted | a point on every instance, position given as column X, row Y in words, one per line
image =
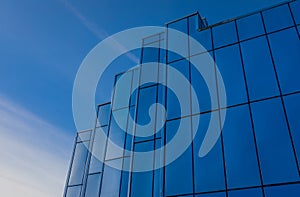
column 258, row 152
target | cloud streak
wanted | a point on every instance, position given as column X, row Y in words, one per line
column 34, row 154
column 92, row 27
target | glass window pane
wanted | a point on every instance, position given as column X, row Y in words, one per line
column 257, row 192
column 177, row 42
column 178, row 174
column 283, row 190
column 135, row 83
column 93, row 185
column 117, row 133
column 111, row 179
column 224, row 34
column 229, row 63
column 98, row 151
column 78, row 164
column 151, row 54
column 84, row 136
column 292, row 105
column 277, row 18
column 285, row 47
column 147, row 97
column 149, row 73
column 173, row 105
column 122, row 91
column 259, row 69
column 273, row 141
column 295, row 7
column 250, row 26
column 142, row 181
column 73, row 191
column 200, row 86
column 241, row 162
column 103, row 115
column 202, row 36
column 209, row 170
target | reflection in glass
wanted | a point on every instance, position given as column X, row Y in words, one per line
column 259, row 69
column 224, row 34
column 274, row 145
column 74, row 191
column 92, row 185
column 250, row 26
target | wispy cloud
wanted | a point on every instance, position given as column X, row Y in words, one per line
column 101, row 34
column 34, row 155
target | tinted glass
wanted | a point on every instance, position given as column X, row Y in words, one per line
column 292, row 104
column 177, row 42
column 229, row 63
column 250, row 26
column 209, row 170
column 279, row 191
column 93, row 185
column 78, row 164
column 274, row 145
column 218, row 194
column 83, row 136
column 111, row 180
column 259, row 69
column 173, row 105
column 74, row 191
column 199, row 84
column 122, row 91
column 285, row 47
column 202, row 36
column 295, row 7
column 277, row 18
column 224, row 34
column 240, row 149
column 103, row 115
column 178, row 175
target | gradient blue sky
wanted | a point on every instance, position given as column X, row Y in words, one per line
column 42, row 44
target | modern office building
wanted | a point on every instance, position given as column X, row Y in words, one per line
column 258, row 152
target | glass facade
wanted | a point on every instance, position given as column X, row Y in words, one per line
column 258, row 152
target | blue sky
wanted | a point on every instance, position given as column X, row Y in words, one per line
column 42, row 44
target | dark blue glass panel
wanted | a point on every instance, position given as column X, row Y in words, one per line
column 259, row 69
column 295, row 7
column 229, row 63
column 224, row 34
column 147, row 97
column 84, row 136
column 240, row 156
column 172, row 39
column 250, row 26
column 217, row 194
column 285, row 47
column 257, row 192
column 202, row 36
column 199, row 84
column 274, row 145
column 124, row 184
column 97, row 152
column 111, row 179
column 209, row 170
column 103, row 114
column 173, row 106
column 292, row 104
column 277, row 18
column 73, row 191
column 78, row 164
column 150, row 54
column 142, row 181
column 149, row 73
column 93, row 185
column 178, row 174
column 283, row 190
